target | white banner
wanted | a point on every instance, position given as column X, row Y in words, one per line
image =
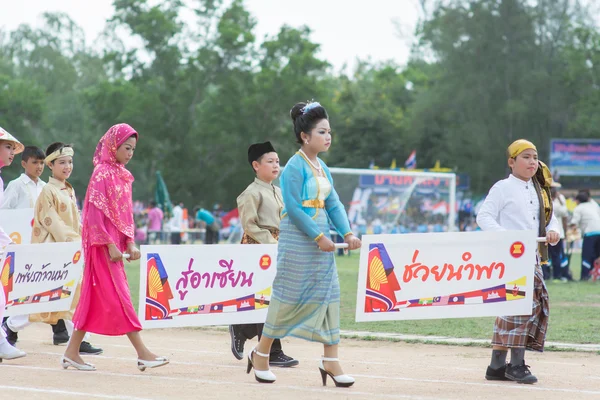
column 446, row 275
column 40, row 277
column 195, row 285
column 18, row 224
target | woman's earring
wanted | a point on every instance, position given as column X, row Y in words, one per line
column 306, row 142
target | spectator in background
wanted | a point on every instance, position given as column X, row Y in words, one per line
column 560, row 263
column 185, row 238
column 155, row 220
column 212, row 226
column 587, row 191
column 218, row 213
column 586, row 217
column 176, row 224
column 377, row 226
column 141, row 231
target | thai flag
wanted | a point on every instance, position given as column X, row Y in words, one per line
column 411, row 161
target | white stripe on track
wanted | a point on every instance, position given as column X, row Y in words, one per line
column 22, row 389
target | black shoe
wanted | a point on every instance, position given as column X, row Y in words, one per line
column 59, row 326
column 11, row 337
column 496, row 374
column 520, row 373
column 87, row 348
column 61, row 337
column 237, row 343
column 278, row 359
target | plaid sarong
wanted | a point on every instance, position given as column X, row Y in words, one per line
column 528, row 331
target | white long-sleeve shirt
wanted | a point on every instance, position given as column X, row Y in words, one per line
column 513, row 204
column 21, row 193
column 4, row 238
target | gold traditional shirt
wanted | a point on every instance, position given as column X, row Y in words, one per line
column 260, row 207
column 56, row 217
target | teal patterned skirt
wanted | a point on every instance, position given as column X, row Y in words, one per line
column 306, row 291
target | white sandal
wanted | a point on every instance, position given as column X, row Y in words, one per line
column 67, row 362
column 157, row 362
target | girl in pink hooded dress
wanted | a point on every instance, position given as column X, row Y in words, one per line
column 105, row 304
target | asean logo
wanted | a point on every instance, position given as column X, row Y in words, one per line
column 16, row 237
column 265, row 262
column 77, row 257
column 517, row 249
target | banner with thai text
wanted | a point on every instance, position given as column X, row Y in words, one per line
column 446, row 275
column 18, row 224
column 40, row 277
column 195, row 285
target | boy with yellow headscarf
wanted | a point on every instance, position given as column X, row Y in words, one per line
column 521, row 202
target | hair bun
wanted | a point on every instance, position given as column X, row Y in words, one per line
column 296, row 111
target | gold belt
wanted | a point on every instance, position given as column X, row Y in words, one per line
column 313, row 203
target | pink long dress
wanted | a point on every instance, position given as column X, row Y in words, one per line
column 105, row 304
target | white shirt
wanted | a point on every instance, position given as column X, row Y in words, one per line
column 512, row 204
column 21, row 193
column 560, row 211
column 4, row 238
column 587, row 217
column 177, row 219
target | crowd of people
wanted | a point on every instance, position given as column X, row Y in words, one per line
column 305, row 300
column 298, row 217
column 181, row 226
column 101, row 302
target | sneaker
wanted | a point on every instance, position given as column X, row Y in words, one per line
column 492, row 374
column 87, row 348
column 59, row 338
column 278, row 359
column 520, row 373
column 237, row 343
column 11, row 337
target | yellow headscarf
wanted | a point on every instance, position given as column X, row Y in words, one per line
column 519, row 146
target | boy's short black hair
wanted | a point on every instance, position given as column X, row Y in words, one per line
column 583, row 196
column 32, row 152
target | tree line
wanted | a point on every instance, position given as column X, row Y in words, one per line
column 481, row 74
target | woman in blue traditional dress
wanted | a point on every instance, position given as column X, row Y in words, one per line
column 306, row 291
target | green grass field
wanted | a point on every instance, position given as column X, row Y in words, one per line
column 574, row 309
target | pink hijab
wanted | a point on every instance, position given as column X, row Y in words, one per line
column 109, row 189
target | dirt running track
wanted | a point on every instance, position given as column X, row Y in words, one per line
column 202, row 367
